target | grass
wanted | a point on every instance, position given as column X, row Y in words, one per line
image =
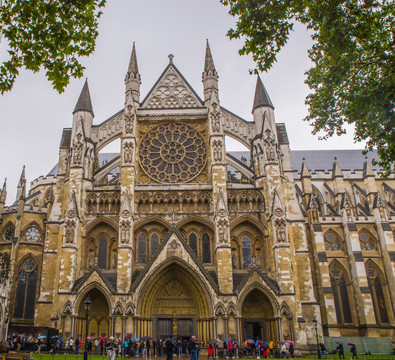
column 203, row 357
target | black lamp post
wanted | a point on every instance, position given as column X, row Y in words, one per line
column 315, row 321
column 87, row 304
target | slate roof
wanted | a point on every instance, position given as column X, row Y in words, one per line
column 317, row 160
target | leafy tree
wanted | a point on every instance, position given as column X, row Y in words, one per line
column 352, row 80
column 48, row 34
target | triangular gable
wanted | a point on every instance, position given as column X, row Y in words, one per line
column 171, row 91
column 255, row 272
column 95, row 275
column 173, row 246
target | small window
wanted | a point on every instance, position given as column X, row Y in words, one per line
column 246, row 251
column 367, row 241
column 193, row 242
column 142, row 246
column 102, row 260
column 332, row 242
column 206, row 249
column 154, row 243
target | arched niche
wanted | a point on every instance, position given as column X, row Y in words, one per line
column 259, row 316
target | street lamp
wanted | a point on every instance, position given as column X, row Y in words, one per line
column 87, row 304
column 315, row 322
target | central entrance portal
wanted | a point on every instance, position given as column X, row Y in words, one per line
column 176, row 303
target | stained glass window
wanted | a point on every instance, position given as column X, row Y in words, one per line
column 102, row 260
column 377, row 293
column 340, row 296
column 332, row 242
column 193, row 243
column 26, row 290
column 367, row 242
column 154, row 243
column 206, row 248
column 141, row 249
column 246, row 251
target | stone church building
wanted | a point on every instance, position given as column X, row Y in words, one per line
column 176, row 235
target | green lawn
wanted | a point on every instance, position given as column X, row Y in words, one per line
column 203, row 357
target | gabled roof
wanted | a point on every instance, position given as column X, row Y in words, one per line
column 171, row 91
column 162, row 248
column 109, row 279
column 239, row 280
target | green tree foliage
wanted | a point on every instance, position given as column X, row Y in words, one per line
column 352, row 80
column 50, row 35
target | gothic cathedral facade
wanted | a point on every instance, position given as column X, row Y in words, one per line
column 176, row 235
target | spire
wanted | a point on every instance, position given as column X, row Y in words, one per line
column 367, row 170
column 21, row 190
column 133, row 67
column 261, row 96
column 208, row 61
column 132, row 79
column 84, row 102
column 221, row 204
column 209, row 75
column 3, row 193
column 336, row 170
column 277, row 207
column 305, row 172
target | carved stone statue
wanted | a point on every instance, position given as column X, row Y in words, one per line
column 128, row 152
column 235, row 262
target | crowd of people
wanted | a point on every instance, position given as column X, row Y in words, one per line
column 227, row 348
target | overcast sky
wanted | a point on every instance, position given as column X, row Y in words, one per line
column 33, row 115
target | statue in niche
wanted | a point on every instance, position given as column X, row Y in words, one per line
column 217, row 150
column 129, row 118
column 235, row 262
column 270, row 154
column 280, row 231
column 114, row 260
column 128, row 152
column 69, row 235
column 125, row 232
column 215, row 124
column 258, row 261
column 77, row 158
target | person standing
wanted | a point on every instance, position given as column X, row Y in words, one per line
column 271, row 346
column 193, row 348
column 148, row 347
column 353, row 350
column 291, row 350
column 323, row 351
column 340, row 351
column 142, row 348
column 169, row 346
column 283, row 351
column 210, row 351
column 96, row 345
column 77, row 345
column 111, row 347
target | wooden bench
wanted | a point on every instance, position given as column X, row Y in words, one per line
column 14, row 356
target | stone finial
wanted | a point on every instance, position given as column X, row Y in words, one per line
column 305, row 172
column 261, row 97
column 336, row 170
column 84, row 102
column 171, row 57
column 3, row 192
column 21, row 190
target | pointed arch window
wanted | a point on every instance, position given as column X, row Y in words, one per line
column 332, row 242
column 246, row 251
column 26, row 290
column 102, row 256
column 377, row 293
column 367, row 241
column 154, row 243
column 206, row 247
column 142, row 249
column 340, row 295
column 193, row 243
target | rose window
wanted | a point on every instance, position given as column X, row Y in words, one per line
column 172, row 153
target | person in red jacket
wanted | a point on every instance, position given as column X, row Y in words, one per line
column 210, row 351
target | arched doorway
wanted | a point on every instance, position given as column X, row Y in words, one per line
column 258, row 317
column 175, row 302
column 98, row 317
